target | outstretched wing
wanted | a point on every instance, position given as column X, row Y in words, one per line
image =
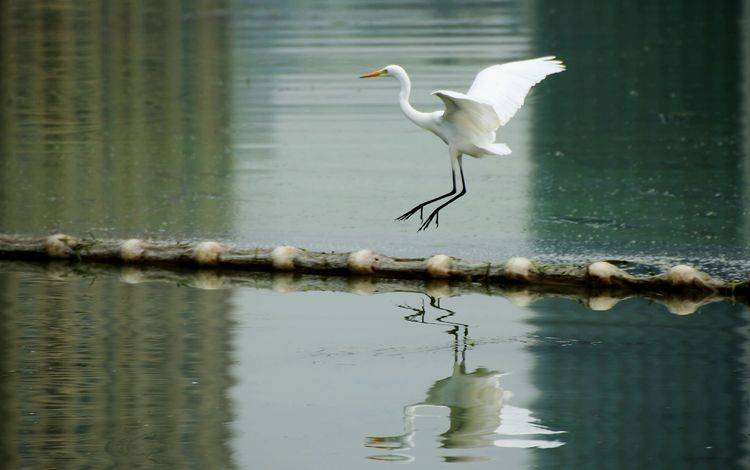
column 505, row 86
column 467, row 110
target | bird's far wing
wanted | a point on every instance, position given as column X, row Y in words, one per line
column 459, row 105
column 505, row 86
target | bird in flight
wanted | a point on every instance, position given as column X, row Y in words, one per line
column 470, row 119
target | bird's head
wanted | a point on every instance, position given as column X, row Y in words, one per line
column 388, row 71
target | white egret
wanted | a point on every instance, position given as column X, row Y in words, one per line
column 470, row 119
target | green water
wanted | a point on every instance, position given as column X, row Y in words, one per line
column 245, row 122
column 100, row 371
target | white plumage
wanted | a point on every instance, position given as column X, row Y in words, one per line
column 470, row 120
column 505, row 86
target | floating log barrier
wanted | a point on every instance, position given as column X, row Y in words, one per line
column 604, row 283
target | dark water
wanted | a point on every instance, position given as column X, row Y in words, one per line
column 101, row 371
column 244, row 121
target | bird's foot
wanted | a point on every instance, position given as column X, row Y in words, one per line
column 435, row 215
column 411, row 213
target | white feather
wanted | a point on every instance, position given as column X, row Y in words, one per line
column 494, row 97
column 505, row 86
column 459, row 105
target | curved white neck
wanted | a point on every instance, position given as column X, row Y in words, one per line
column 419, row 118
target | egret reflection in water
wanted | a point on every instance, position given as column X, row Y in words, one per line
column 478, row 412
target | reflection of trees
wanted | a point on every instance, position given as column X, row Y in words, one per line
column 647, row 118
column 106, row 374
column 644, row 124
column 639, row 387
column 111, row 113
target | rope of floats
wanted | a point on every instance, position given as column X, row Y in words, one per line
column 679, row 282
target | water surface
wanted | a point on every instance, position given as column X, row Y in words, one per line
column 244, row 121
column 100, row 371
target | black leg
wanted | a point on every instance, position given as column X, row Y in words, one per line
column 434, row 214
column 419, row 207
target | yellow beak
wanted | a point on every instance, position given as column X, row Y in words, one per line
column 374, row 74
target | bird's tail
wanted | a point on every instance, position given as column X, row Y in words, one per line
column 495, row 149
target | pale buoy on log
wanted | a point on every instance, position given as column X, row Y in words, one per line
column 519, row 268
column 131, row 250
column 439, row 266
column 207, row 252
column 59, row 245
column 362, row 261
column 603, row 272
column 683, row 274
column 282, row 257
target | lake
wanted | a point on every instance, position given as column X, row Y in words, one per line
column 245, row 122
column 101, row 370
